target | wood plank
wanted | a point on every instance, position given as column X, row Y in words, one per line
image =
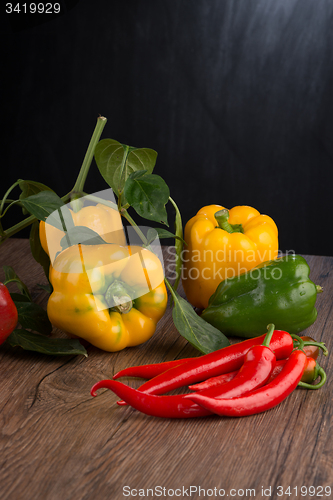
column 59, row 442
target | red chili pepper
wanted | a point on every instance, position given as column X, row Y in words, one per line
column 312, row 351
column 312, row 371
column 215, row 363
column 214, row 381
column 261, row 399
column 149, row 371
column 157, row 406
column 258, row 365
column 8, row 314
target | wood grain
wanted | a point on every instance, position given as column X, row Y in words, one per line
column 57, row 442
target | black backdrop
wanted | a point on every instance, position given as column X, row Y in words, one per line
column 236, row 96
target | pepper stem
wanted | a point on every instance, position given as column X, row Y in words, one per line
column 269, row 334
column 81, row 179
column 304, row 343
column 321, row 374
column 117, row 298
column 321, row 345
column 222, row 218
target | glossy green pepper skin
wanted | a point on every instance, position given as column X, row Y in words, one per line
column 278, row 291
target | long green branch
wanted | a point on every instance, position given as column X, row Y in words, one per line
column 81, row 179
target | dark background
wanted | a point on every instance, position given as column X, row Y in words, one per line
column 236, row 96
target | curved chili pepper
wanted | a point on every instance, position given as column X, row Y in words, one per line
column 224, row 360
column 214, row 381
column 149, row 371
column 157, row 406
column 259, row 363
column 312, row 371
column 261, row 399
column 311, row 349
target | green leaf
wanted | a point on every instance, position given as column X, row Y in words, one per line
column 194, row 329
column 117, row 161
column 37, row 250
column 48, row 288
column 42, row 204
column 48, row 205
column 81, row 234
column 30, row 188
column 148, row 194
column 161, row 233
column 34, row 317
column 55, row 347
column 19, row 297
column 12, row 277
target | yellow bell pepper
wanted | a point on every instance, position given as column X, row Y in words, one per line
column 109, row 295
column 102, row 219
column 224, row 243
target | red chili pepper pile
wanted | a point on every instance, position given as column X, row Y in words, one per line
column 239, row 380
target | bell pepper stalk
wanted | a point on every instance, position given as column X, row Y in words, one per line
column 8, row 314
column 118, row 298
column 222, row 218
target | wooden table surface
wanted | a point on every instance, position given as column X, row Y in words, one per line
column 57, row 442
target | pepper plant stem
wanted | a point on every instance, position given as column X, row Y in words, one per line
column 178, row 244
column 7, row 193
column 81, row 179
column 270, row 331
column 136, row 228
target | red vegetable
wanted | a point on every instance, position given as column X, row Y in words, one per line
column 261, row 399
column 157, row 406
column 149, row 371
column 258, row 365
column 214, row 381
column 311, row 371
column 312, row 351
column 8, row 314
column 215, row 363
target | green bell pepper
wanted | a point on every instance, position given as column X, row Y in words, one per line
column 277, row 291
